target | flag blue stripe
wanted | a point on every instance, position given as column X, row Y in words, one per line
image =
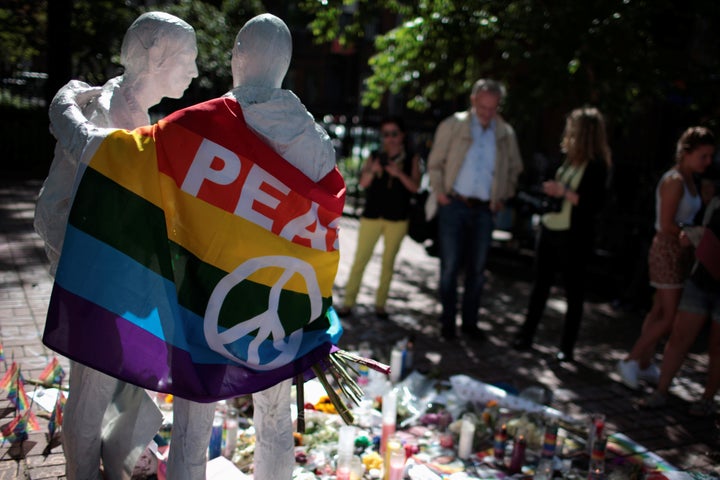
column 148, row 300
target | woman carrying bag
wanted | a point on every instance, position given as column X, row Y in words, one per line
column 566, row 237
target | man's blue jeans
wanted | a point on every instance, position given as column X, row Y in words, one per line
column 465, row 234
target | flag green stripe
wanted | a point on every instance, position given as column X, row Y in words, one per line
column 136, row 228
column 127, row 222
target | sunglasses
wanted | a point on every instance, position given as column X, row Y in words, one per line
column 391, row 133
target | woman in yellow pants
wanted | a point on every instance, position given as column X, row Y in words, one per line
column 390, row 178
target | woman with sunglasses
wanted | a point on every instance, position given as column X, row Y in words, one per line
column 390, row 178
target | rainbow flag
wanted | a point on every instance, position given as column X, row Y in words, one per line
column 18, row 396
column 197, row 261
column 624, row 447
column 17, row 430
column 53, row 373
column 56, row 416
column 2, row 353
column 10, row 377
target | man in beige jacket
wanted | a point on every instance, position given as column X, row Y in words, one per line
column 473, row 167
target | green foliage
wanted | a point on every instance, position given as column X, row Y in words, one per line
column 216, row 28
column 20, row 37
column 619, row 55
column 97, row 30
column 344, row 20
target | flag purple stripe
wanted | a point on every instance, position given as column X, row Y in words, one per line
column 147, row 361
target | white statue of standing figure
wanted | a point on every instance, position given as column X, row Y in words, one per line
column 260, row 60
column 107, row 419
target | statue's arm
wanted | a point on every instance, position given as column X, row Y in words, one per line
column 67, row 122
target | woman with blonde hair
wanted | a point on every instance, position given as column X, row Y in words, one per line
column 677, row 202
column 566, row 236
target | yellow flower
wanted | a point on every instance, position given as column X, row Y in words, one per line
column 325, row 405
column 372, row 460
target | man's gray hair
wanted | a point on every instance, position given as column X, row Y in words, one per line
column 490, row 86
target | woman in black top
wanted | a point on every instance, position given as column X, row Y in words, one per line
column 566, row 237
column 389, row 178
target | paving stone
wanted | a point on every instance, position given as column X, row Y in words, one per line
column 12, row 470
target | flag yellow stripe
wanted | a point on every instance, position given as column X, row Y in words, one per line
column 215, row 236
column 224, row 240
column 129, row 159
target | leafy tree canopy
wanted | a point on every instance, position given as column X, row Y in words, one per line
column 19, row 39
column 619, row 55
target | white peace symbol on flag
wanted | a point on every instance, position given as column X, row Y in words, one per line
column 267, row 323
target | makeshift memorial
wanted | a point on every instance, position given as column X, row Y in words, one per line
column 433, row 443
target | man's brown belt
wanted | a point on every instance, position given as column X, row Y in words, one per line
column 470, row 201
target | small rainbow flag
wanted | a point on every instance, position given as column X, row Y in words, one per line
column 10, row 377
column 18, row 396
column 197, row 261
column 2, row 353
column 56, row 417
column 53, row 373
column 623, row 446
column 17, row 430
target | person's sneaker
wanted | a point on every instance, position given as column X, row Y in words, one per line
column 650, row 374
column 656, row 400
column 628, row 370
column 702, row 408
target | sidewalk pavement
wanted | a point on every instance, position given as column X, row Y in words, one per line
column 589, row 385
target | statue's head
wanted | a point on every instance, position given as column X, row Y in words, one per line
column 160, row 48
column 262, row 51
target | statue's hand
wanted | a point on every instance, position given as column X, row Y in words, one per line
column 67, row 122
column 74, row 93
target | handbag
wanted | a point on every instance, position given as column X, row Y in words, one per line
column 420, row 227
column 538, row 202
